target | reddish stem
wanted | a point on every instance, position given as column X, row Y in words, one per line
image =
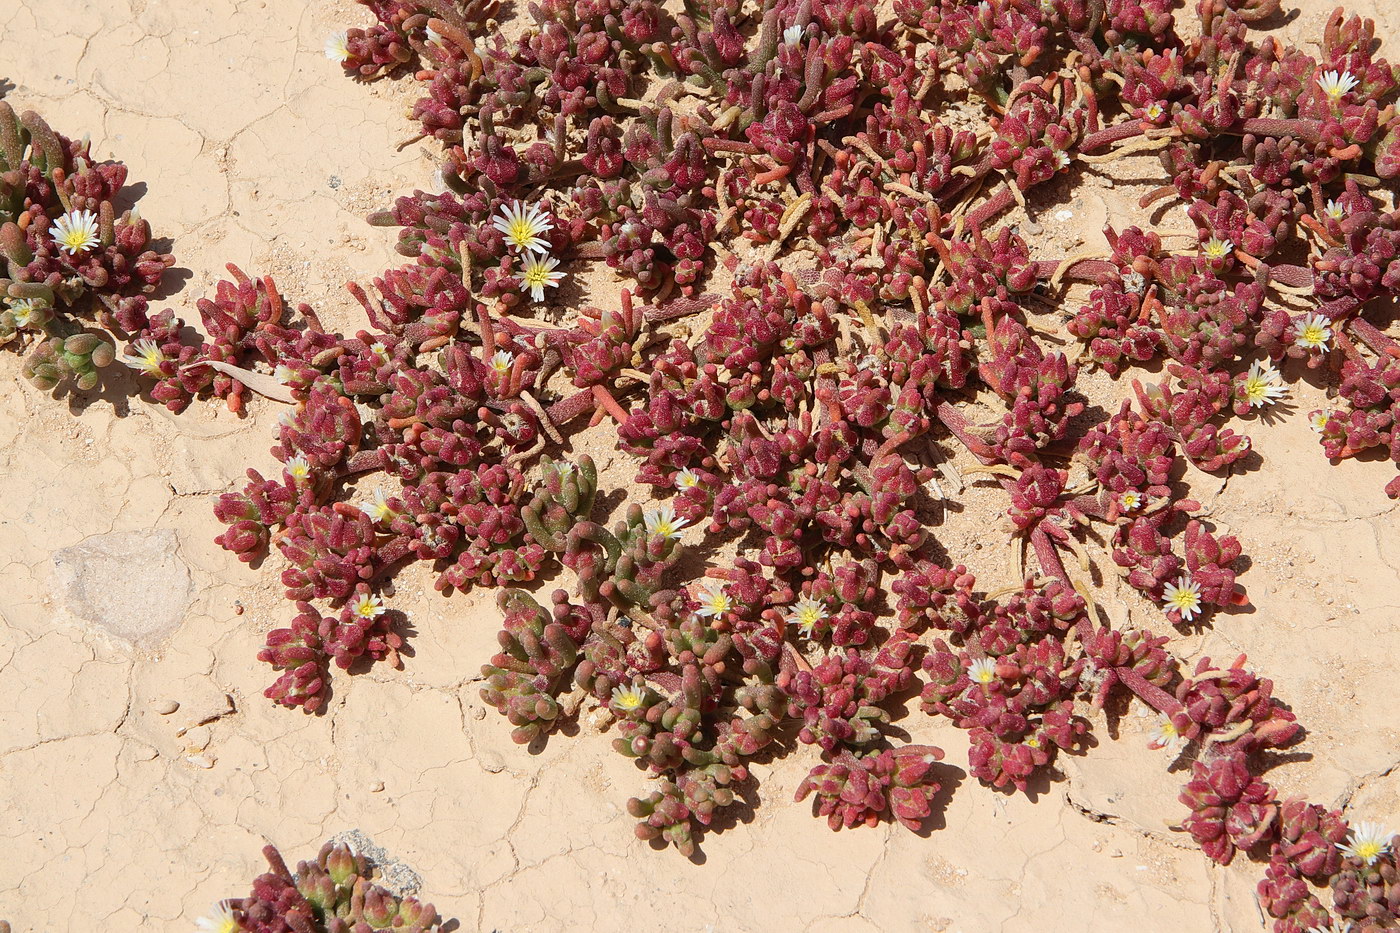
column 1151, row 694
column 1112, row 134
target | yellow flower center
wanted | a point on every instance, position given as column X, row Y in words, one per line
column 522, row 231
column 1256, row 389
column 1185, row 599
column 77, row 239
column 1369, row 851
column 1313, row 335
column 536, row 275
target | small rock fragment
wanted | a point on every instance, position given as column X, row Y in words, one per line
column 165, row 707
column 197, row 739
column 376, row 786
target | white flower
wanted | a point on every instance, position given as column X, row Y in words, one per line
column 23, row 309
column 663, row 521
column 1263, row 386
column 1134, row 283
column 629, row 698
column 1154, row 111
column 1130, row 500
column 805, row 614
column 1062, row 158
column 285, row 374
column 1335, row 84
column 433, row 36
column 714, row 601
column 523, row 228
column 1318, row 419
column 75, row 231
column 147, row 357
column 1313, row 332
column 1368, row 842
column 1334, row 210
column 564, row 468
column 538, row 273
column 298, row 469
column 1165, row 735
column 366, row 606
column 337, row 47
column 1184, row 596
column 687, row 479
column 220, row 920
column 379, row 350
column 983, row 671
column 501, row 361
column 378, row 508
column 1217, row 248
column 792, row 35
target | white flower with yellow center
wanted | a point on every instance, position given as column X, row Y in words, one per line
column 714, row 601
column 629, row 698
column 663, row 521
column 1263, row 386
column 1154, row 111
column 75, row 232
column 1165, row 735
column 792, row 35
column 1314, row 331
column 1334, row 84
column 285, row 374
column 337, row 47
column 983, row 671
column 1368, row 842
column 564, row 468
column 1318, row 419
column 1130, row 500
column 538, row 274
column 806, row 613
column 378, row 508
column 1334, row 210
column 379, row 350
column 23, row 309
column 1135, row 283
column 501, row 361
column 1062, row 158
column 1217, row 248
column 523, row 228
column 367, row 606
column 220, row 920
column 1184, row 596
column 146, row 357
column 687, row 479
column 298, row 469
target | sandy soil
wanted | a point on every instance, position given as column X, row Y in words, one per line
column 120, row 810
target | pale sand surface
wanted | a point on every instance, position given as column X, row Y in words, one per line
column 116, row 601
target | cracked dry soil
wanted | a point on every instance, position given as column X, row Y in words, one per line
column 141, row 770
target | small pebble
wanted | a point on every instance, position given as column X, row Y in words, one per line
column 478, row 712
column 197, row 739
column 201, row 761
column 376, row 786
column 491, row 762
column 165, row 707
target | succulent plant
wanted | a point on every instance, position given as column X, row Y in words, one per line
column 332, row 894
